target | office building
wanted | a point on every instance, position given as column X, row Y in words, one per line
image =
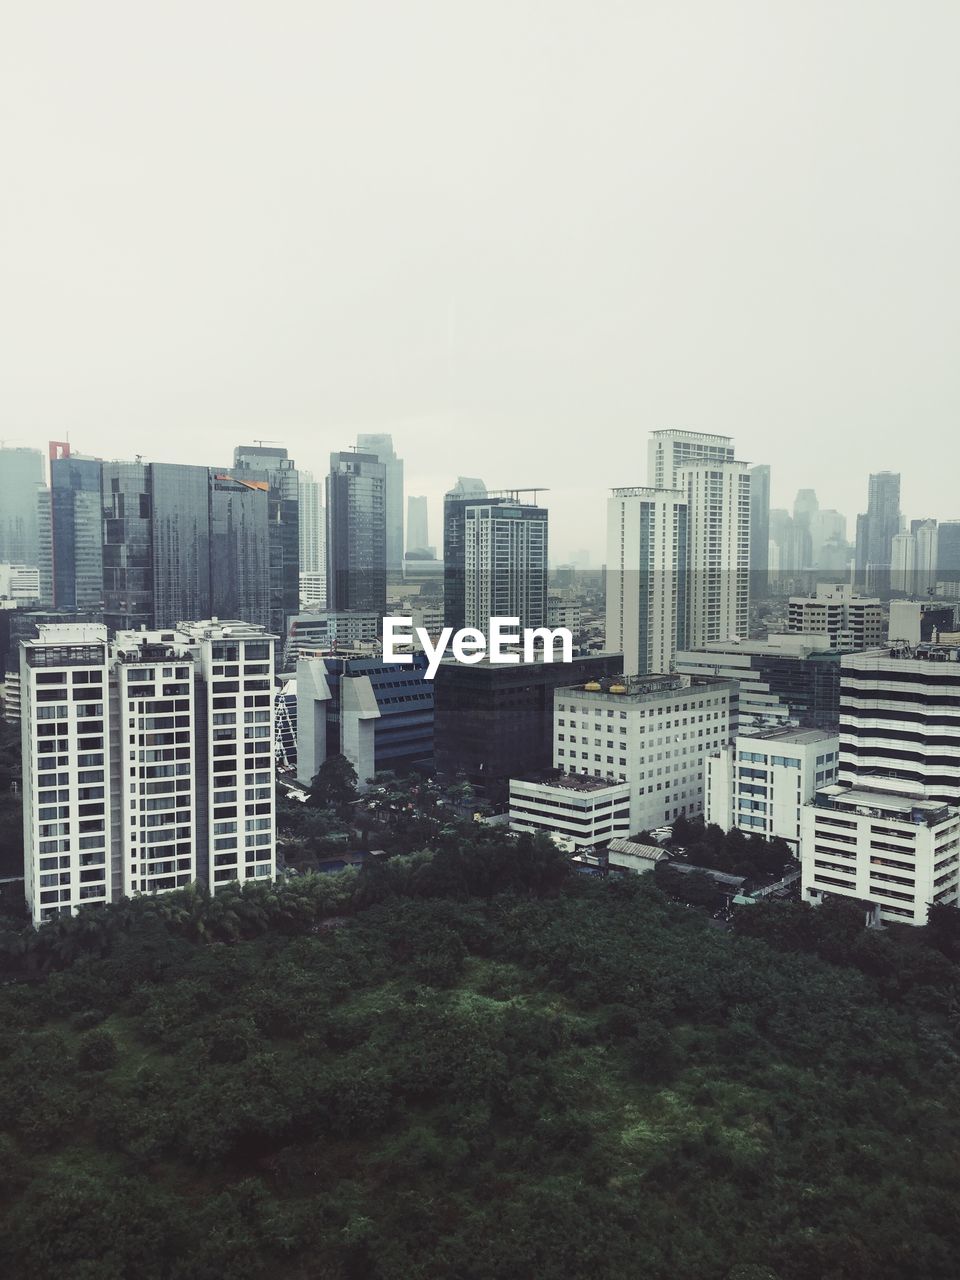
column 147, row 763
column 915, row 622
column 903, row 562
column 19, row 582
column 505, row 564
column 243, row 569
column 653, row 732
column 877, row 528
column 584, row 811
column 378, row 714
column 70, row 531
column 900, row 717
column 21, row 476
column 323, row 629
column 948, row 551
column 271, row 464
column 467, row 490
column 670, row 452
column 128, row 575
column 181, row 499
column 847, row 620
column 418, row 536
column 495, row 721
column 313, row 591
column 381, row 447
column 718, row 551
column 783, row 679
column 646, row 578
column 759, row 531
column 884, row 843
column 356, row 533
column 760, row 782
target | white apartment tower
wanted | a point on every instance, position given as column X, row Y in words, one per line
column 718, row 550
column 147, row 763
column 505, row 564
column 646, row 581
column 670, row 452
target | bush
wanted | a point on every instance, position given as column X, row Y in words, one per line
column 98, row 1052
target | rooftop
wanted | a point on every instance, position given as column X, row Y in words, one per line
column 802, row 737
column 573, row 782
column 898, row 806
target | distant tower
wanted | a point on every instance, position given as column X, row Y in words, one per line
column 381, row 446
column 759, row 530
column 356, row 533
column 418, row 538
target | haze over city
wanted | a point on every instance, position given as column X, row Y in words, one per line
column 516, row 238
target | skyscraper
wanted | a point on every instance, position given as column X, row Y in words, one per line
column 759, row 530
column 718, row 555
column 243, row 571
column 312, row 540
column 646, row 580
column 356, row 533
column 128, row 596
column 180, row 497
column 455, row 503
column 948, row 551
column 70, row 522
column 21, row 475
column 381, row 446
column 271, row 463
column 505, row 563
column 877, row 528
column 418, row 538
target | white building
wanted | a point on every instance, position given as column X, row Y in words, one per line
column 918, row 622
column 718, row 551
column 326, row 629
column 900, row 716
column 848, row 621
column 654, row 733
column 584, row 810
column 761, row 782
column 669, row 452
column 881, row 842
column 147, row 763
column 903, row 562
column 313, row 551
column 505, row 564
column 313, row 590
column 19, row 582
column 646, row 577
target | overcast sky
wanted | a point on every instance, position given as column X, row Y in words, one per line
column 517, row 235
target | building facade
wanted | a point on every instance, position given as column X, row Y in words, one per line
column 718, row 556
column 356, row 533
column 646, row 577
column 654, row 733
column 381, row 447
column 760, row 782
column 849, row 621
column 147, row 763
column 583, row 811
column 21, row 477
column 669, row 452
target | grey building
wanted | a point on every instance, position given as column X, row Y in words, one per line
column 21, row 475
column 70, row 524
column 381, row 446
column 418, row 535
column 128, row 595
column 356, row 533
column 877, row 528
column 759, row 530
column 272, row 465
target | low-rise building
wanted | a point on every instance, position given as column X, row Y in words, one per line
column 761, row 781
column 587, row 811
column 881, row 842
column 849, row 621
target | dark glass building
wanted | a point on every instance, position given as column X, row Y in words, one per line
column 71, row 520
column 258, row 462
column 128, row 596
column 494, row 721
column 181, row 543
column 356, row 533
column 239, row 549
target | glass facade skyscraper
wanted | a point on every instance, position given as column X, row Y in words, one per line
column 356, row 533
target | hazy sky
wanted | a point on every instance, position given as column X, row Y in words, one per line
column 517, row 235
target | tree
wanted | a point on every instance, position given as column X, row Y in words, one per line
column 335, row 785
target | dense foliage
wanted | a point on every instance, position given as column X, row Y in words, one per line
column 469, row 1064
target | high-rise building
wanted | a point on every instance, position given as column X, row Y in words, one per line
column 669, row 452
column 381, row 446
column 847, row 620
column 242, row 565
column 494, row 557
column 21, row 475
column 313, row 556
column 418, row 536
column 759, row 530
column 70, row 520
column 356, row 533
column 877, row 528
column 646, row 577
column 181, row 551
column 948, row 551
column 271, row 464
column 147, row 763
column 128, row 590
column 718, row 556
column 903, row 562
column 900, row 717
column 761, row 782
column 505, row 563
